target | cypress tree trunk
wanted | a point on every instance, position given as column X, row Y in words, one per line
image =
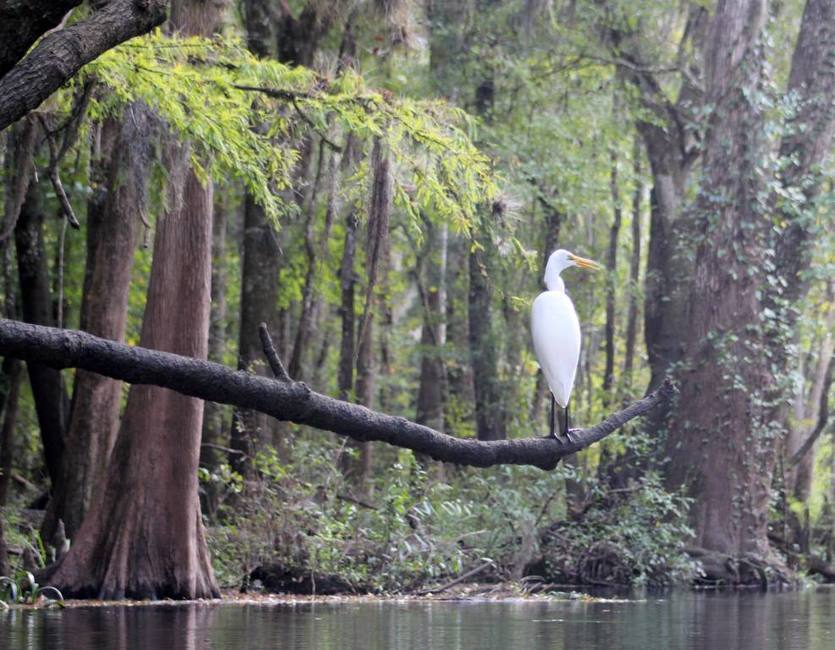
column 143, row 536
column 259, row 298
column 719, row 443
column 112, row 235
column 213, row 414
column 51, row 402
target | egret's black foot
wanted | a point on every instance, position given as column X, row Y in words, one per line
column 568, row 433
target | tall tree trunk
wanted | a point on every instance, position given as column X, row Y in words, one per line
column 259, row 299
column 377, row 244
column 268, row 31
column 611, row 269
column 112, row 236
column 431, row 287
column 51, row 402
column 672, row 150
column 347, row 279
column 804, row 147
column 143, row 536
column 812, row 407
column 483, row 342
column 634, row 271
column 461, row 394
column 304, row 330
column 213, row 414
column 719, row 443
column 484, row 345
column 11, row 393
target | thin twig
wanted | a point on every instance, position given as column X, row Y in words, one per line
column 228, row 450
column 273, row 359
column 54, row 161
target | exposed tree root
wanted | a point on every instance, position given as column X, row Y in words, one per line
column 722, row 570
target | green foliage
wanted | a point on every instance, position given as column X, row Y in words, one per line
column 243, row 118
column 23, row 589
column 414, row 529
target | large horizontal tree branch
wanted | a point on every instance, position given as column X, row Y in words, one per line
column 293, row 401
column 60, row 54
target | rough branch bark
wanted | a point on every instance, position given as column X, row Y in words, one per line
column 293, row 401
column 61, row 54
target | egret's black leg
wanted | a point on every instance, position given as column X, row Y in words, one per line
column 553, row 416
column 565, row 422
column 566, row 432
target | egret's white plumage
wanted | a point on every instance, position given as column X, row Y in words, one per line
column 555, row 327
column 556, row 341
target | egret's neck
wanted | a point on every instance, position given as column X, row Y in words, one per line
column 553, row 281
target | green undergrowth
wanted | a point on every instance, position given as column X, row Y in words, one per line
column 422, row 524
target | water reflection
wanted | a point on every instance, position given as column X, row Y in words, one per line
column 804, row 619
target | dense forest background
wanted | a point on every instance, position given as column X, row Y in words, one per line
column 381, row 182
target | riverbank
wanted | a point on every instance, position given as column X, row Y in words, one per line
column 475, row 592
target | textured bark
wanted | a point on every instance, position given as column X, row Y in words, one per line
column 483, row 343
column 11, row 393
column 51, row 402
column 305, row 329
column 612, row 270
column 214, row 427
column 260, row 265
column 143, row 536
column 634, row 272
column 672, row 150
column 719, row 443
column 298, row 37
column 59, row 55
column 259, row 297
column 431, row 286
column 805, row 146
column 376, row 254
column 259, row 27
column 347, row 279
column 293, row 401
column 112, row 237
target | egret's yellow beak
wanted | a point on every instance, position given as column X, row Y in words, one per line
column 583, row 263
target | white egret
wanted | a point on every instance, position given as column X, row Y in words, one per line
column 556, row 332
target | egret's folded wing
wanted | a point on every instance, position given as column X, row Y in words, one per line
column 556, row 341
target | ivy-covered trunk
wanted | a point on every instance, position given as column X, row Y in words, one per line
column 720, row 443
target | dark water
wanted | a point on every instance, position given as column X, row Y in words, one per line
column 801, row 619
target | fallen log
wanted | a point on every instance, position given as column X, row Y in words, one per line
column 294, row 401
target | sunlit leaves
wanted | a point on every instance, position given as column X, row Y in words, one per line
column 244, row 118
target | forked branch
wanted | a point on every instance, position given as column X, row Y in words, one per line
column 294, row 401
